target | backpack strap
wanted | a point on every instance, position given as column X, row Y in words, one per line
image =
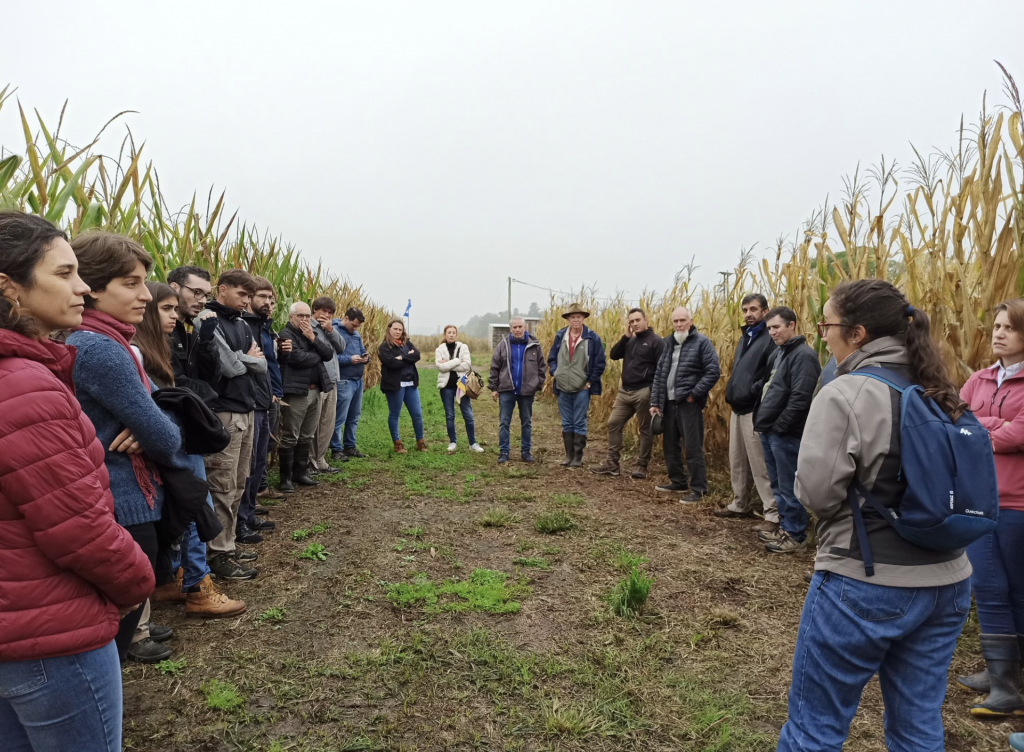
column 886, row 376
column 852, row 493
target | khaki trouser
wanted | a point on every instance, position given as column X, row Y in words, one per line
column 142, row 631
column 628, row 404
column 746, row 466
column 226, row 472
column 300, row 415
column 325, row 430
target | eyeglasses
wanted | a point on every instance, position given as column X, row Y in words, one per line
column 201, row 294
column 823, row 328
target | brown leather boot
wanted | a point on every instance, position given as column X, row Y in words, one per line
column 400, row 448
column 421, row 445
column 171, row 592
column 211, row 603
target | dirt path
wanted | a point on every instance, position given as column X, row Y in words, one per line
column 324, row 660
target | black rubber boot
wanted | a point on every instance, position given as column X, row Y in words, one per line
column 300, row 474
column 567, row 439
column 980, row 682
column 286, row 461
column 1002, row 656
column 579, row 443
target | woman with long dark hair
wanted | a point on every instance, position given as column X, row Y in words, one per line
column 996, row 396
column 115, row 393
column 193, row 584
column 903, row 622
column 400, row 381
column 68, row 571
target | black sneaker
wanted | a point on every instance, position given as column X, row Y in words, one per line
column 331, row 470
column 353, row 452
column 259, row 525
column 223, row 567
column 527, row 457
column 262, row 511
column 337, row 456
column 243, row 556
column 671, row 488
column 148, row 651
column 160, row 634
column 692, row 498
column 245, row 534
column 502, row 458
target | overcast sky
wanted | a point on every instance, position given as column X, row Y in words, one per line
column 428, row 150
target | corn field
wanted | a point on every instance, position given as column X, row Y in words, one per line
column 80, row 190
column 948, row 231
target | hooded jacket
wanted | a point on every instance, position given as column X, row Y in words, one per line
column 1000, row 409
column 853, row 433
column 65, row 564
column 534, row 369
column 639, row 355
column 749, row 369
column 596, row 360
column 460, row 365
column 696, row 373
column 793, row 371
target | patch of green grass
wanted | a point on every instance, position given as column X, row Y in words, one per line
column 222, row 695
column 499, row 517
column 712, row 716
column 626, row 561
column 300, row 534
column 415, row 532
column 485, row 590
column 533, row 561
column 320, row 527
column 314, row 552
column 172, row 668
column 630, row 595
column 551, row 550
column 568, row 499
column 572, row 720
column 358, row 483
column 274, row 614
column 521, row 472
column 516, row 495
column 554, row 522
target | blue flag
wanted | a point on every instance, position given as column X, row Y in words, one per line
column 408, row 308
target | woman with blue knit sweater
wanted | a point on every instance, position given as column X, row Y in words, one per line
column 114, row 390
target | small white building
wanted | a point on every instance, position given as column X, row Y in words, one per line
column 499, row 331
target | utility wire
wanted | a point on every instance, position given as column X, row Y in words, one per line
column 562, row 292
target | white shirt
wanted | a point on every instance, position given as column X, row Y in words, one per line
column 1003, row 373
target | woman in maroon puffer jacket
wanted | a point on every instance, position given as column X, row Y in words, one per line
column 67, row 569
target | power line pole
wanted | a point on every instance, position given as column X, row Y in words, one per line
column 510, row 298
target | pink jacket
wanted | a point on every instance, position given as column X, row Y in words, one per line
column 1001, row 411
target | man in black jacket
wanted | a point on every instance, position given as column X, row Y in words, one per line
column 235, row 362
column 779, row 418
column 192, row 284
column 746, row 459
column 639, row 350
column 687, row 370
column 304, row 375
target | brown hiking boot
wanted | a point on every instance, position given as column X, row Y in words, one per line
column 730, row 514
column 270, row 493
column 171, row 592
column 421, row 445
column 605, row 468
column 400, row 448
column 639, row 472
column 766, row 527
column 211, row 603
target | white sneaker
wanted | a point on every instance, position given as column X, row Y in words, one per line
column 451, row 447
column 476, row 448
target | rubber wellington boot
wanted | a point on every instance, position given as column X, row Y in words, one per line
column 300, row 473
column 286, row 461
column 570, row 450
column 1002, row 656
column 980, row 681
column 579, row 443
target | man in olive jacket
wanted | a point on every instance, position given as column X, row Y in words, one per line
column 779, row 419
column 746, row 458
column 517, row 374
column 686, row 372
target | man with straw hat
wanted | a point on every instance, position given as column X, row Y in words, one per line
column 576, row 362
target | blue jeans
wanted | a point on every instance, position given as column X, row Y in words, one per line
column 257, row 466
column 192, row 554
column 410, row 397
column 71, row 702
column 346, row 414
column 507, row 402
column 849, row 630
column 998, row 577
column 466, row 406
column 573, row 408
column 780, row 454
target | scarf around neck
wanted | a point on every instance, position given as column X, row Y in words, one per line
column 97, row 322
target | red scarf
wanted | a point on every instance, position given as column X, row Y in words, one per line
column 573, row 341
column 146, row 474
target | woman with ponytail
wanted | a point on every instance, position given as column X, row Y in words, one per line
column 68, row 571
column 115, row 392
column 903, row 622
column 996, row 396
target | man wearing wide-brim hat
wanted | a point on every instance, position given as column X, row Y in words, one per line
column 576, row 362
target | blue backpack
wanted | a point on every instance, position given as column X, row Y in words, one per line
column 951, row 498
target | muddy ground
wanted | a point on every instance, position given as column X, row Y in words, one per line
column 323, row 660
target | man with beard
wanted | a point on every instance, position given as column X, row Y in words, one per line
column 192, row 284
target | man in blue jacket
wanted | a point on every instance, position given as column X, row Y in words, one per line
column 576, row 362
column 351, row 364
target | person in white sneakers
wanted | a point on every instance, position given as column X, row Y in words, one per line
column 453, row 362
